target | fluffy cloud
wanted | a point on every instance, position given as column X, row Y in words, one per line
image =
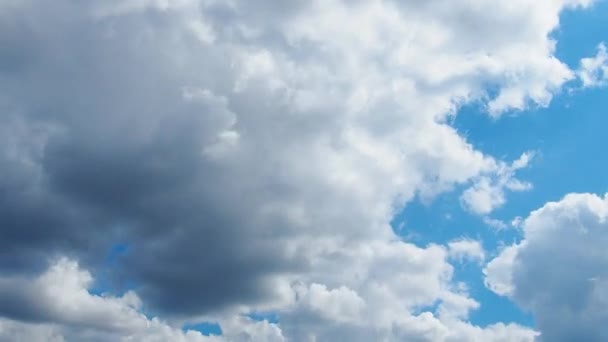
column 251, row 157
column 65, row 310
column 558, row 271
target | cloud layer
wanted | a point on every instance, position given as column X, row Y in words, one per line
column 249, row 157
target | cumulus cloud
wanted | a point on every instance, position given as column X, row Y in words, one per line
column 558, row 271
column 65, row 310
column 251, row 156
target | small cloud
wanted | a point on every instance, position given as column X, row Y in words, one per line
column 593, row 71
column 495, row 223
column 488, row 192
column 517, row 222
column 464, row 249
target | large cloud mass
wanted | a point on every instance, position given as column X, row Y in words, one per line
column 249, row 156
column 559, row 271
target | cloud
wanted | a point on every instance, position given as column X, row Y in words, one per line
column 494, row 223
column 498, row 272
column 67, row 311
column 488, row 192
column 558, row 270
column 593, row 71
column 252, row 156
column 466, row 249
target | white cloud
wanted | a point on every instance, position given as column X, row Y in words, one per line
column 593, row 71
column 341, row 304
column 466, row 249
column 494, row 223
column 488, row 192
column 498, row 272
column 558, row 271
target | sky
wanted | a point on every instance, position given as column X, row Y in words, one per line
column 382, row 170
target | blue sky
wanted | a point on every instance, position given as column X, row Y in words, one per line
column 326, row 170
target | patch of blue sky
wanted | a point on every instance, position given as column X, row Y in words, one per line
column 270, row 317
column 104, row 282
column 570, row 140
column 205, row 328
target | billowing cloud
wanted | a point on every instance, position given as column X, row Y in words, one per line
column 559, row 270
column 66, row 311
column 250, row 157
